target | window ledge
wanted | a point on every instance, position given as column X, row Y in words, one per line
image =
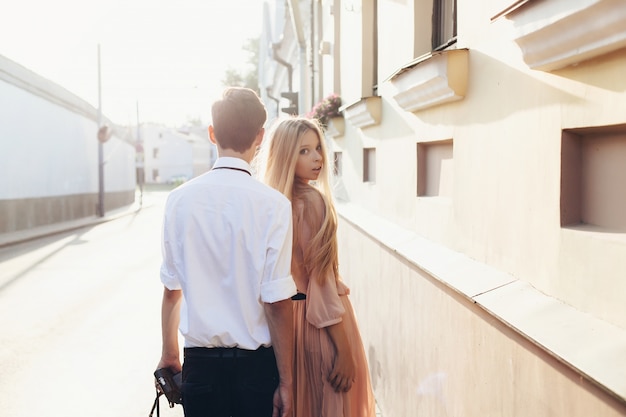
column 597, row 233
column 433, row 79
column 556, row 34
column 336, row 126
column 365, row 112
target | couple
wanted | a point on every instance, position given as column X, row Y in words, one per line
column 251, row 279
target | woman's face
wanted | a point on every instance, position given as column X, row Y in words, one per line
column 310, row 158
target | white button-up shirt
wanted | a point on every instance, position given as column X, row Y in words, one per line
column 226, row 243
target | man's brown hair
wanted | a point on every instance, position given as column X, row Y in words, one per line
column 237, row 118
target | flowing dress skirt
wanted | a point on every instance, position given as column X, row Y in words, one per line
column 314, row 358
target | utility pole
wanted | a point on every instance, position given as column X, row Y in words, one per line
column 139, row 159
column 100, row 209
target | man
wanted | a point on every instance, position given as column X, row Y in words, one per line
column 227, row 242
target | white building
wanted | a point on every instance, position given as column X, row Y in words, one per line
column 50, row 156
column 172, row 156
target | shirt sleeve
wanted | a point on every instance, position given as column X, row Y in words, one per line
column 323, row 305
column 277, row 283
column 169, row 273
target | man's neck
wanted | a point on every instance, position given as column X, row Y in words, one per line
column 246, row 156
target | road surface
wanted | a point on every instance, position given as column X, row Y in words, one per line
column 80, row 320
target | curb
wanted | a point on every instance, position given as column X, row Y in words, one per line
column 21, row 236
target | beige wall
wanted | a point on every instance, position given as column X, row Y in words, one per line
column 434, row 351
column 507, row 155
column 507, row 142
column 478, row 285
column 527, row 344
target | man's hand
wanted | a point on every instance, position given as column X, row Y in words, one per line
column 280, row 321
column 174, row 365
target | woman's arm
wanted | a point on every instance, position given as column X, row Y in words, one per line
column 344, row 368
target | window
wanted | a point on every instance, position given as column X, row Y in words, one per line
column 155, row 153
column 435, row 169
column 337, row 169
column 369, row 12
column 593, row 174
column 369, row 165
column 444, row 24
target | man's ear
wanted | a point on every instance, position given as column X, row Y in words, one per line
column 212, row 135
column 259, row 137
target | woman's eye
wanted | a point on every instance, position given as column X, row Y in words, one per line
column 303, row 151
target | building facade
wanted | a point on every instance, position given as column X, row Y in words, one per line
column 171, row 156
column 50, row 157
column 481, row 162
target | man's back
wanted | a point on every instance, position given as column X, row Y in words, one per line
column 225, row 235
column 226, row 273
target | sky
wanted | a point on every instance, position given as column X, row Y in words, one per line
column 160, row 60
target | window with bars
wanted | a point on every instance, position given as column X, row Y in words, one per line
column 338, row 166
column 369, row 165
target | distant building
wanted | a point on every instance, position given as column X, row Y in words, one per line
column 204, row 152
column 174, row 156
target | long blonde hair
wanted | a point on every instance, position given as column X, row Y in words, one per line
column 281, row 155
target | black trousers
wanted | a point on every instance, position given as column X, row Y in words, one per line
column 228, row 382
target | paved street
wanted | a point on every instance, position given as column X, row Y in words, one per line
column 80, row 320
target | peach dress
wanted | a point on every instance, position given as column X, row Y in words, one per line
column 325, row 304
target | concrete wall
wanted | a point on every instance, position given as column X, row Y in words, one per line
column 49, row 154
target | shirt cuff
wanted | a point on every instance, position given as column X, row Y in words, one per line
column 169, row 281
column 278, row 289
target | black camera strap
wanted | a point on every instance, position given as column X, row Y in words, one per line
column 167, row 384
column 155, row 405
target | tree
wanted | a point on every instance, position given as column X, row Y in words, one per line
column 249, row 76
column 232, row 77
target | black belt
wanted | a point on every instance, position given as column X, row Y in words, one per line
column 299, row 296
column 228, row 353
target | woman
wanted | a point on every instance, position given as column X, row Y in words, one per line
column 331, row 377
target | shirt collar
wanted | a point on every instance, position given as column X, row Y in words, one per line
column 230, row 162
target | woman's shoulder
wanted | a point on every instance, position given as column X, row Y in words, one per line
column 309, row 203
column 307, row 195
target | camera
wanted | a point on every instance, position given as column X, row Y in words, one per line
column 169, row 384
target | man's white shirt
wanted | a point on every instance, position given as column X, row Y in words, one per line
column 226, row 243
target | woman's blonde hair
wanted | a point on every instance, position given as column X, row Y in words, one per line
column 280, row 155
